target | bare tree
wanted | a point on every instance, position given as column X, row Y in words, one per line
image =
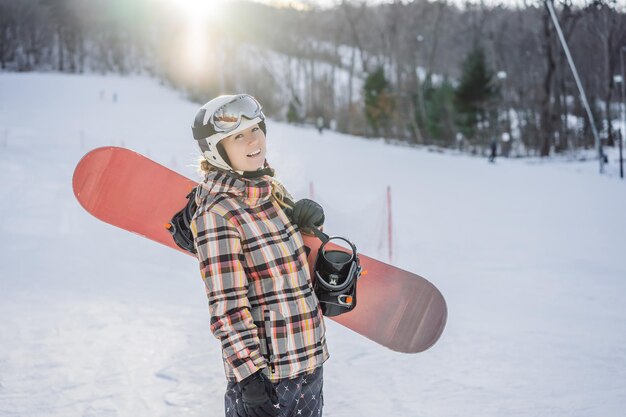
column 603, row 23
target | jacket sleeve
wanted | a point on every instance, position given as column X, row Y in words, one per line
column 220, row 255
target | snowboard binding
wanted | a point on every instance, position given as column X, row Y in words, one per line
column 336, row 274
column 179, row 226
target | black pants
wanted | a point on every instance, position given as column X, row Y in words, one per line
column 298, row 397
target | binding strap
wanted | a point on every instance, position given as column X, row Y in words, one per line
column 180, row 225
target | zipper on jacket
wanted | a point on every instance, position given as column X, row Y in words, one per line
column 267, row 349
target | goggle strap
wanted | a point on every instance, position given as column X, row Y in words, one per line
column 199, row 129
column 202, row 132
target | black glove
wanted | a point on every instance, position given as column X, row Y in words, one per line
column 258, row 396
column 307, row 214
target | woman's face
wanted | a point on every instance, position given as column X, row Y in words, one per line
column 246, row 149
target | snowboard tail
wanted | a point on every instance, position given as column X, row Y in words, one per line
column 396, row 308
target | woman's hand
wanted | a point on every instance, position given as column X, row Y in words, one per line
column 258, row 396
column 307, row 214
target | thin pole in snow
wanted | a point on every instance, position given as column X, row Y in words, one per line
column 622, row 131
column 389, row 224
column 583, row 97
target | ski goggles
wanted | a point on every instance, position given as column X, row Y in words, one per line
column 228, row 117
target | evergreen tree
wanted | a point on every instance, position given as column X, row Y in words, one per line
column 378, row 104
column 474, row 94
column 439, row 108
column 293, row 113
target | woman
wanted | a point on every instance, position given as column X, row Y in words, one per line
column 254, row 265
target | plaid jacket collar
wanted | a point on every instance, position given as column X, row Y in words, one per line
column 252, row 192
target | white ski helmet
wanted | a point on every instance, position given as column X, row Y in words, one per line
column 221, row 117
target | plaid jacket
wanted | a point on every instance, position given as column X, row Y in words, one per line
column 254, row 266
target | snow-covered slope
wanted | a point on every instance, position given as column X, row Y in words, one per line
column 99, row 322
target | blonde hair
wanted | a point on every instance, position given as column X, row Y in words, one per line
column 204, row 167
column 279, row 192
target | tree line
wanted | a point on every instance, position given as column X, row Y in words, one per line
column 421, row 72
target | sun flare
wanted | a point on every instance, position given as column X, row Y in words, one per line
column 197, row 9
column 197, row 15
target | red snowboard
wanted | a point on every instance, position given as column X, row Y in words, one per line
column 395, row 308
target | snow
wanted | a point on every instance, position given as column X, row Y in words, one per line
column 100, row 322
